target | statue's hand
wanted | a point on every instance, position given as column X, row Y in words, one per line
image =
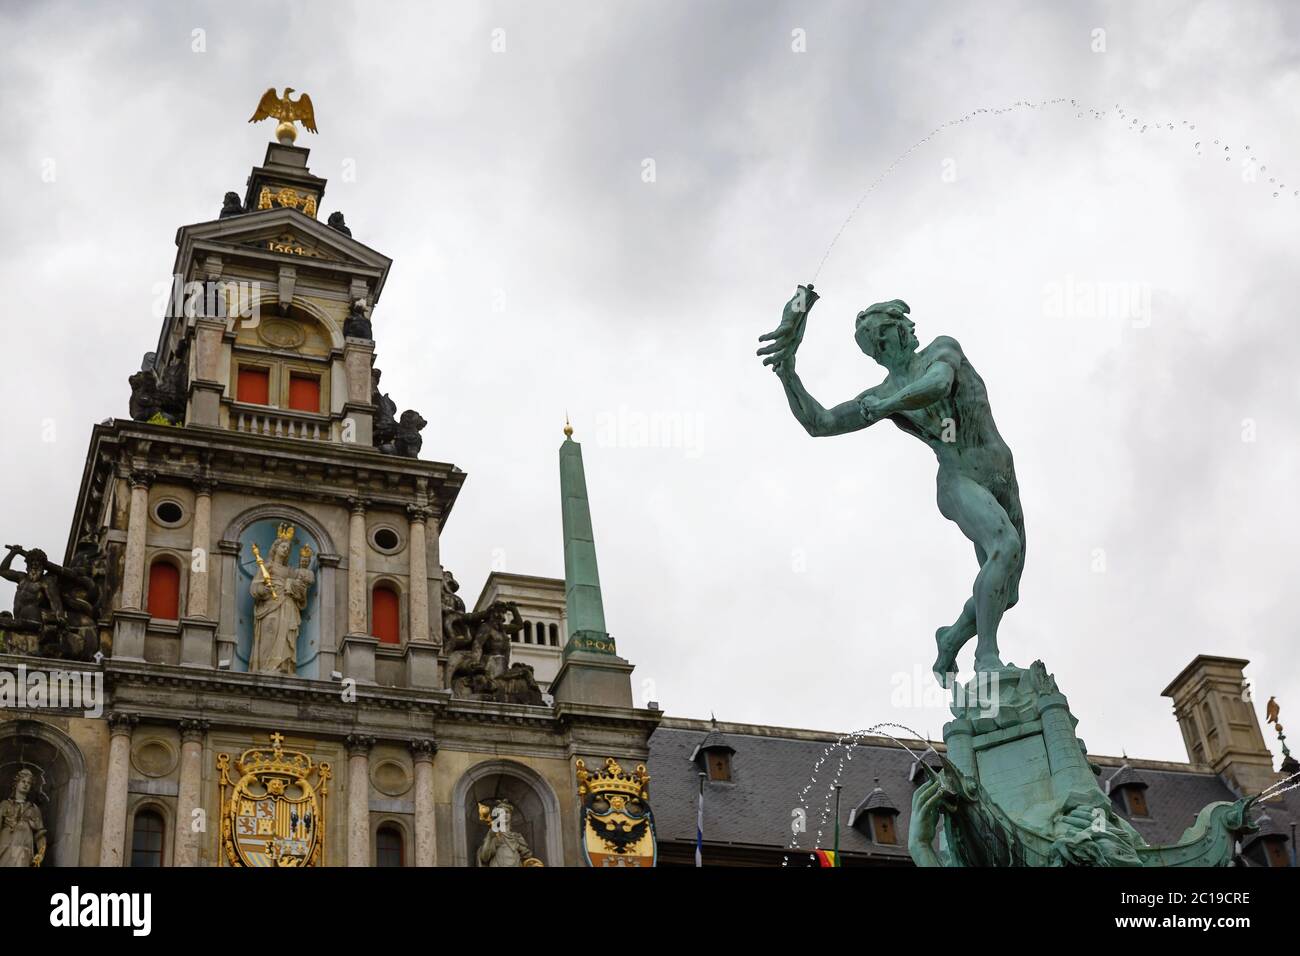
column 787, row 336
column 928, row 803
column 873, row 409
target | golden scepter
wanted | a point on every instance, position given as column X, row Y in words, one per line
column 266, row 575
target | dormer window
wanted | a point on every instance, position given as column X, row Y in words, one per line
column 876, row 817
column 714, row 755
column 1128, row 788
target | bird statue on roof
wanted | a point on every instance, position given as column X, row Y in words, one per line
column 288, row 112
column 1271, row 711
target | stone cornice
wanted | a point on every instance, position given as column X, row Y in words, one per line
column 265, row 466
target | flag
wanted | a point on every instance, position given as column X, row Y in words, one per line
column 699, row 827
column 827, row 857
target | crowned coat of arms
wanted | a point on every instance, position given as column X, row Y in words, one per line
column 618, row 827
column 273, row 807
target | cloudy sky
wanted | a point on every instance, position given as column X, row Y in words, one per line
column 598, row 207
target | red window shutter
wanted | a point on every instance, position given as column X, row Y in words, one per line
column 164, row 591
column 254, row 386
column 304, row 393
column 385, row 616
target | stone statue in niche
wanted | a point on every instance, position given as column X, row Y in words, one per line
column 279, row 597
column 22, row 831
column 336, row 222
column 231, row 206
column 357, row 324
column 502, row 846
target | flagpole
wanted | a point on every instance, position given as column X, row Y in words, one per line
column 838, row 788
column 699, row 825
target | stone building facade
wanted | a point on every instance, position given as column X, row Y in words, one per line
column 256, row 552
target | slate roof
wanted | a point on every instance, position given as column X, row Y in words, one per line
column 772, row 766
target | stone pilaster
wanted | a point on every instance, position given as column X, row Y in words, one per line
column 359, row 746
column 198, row 627
column 357, row 602
column 196, row 604
column 136, row 533
column 426, row 836
column 421, row 654
column 112, row 832
column 418, row 594
column 188, row 796
column 358, row 645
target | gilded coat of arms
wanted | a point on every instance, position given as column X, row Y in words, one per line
column 272, row 813
column 618, row 827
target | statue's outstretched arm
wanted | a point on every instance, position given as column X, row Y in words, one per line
column 816, row 420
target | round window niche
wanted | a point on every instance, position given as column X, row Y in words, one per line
column 169, row 513
column 386, row 540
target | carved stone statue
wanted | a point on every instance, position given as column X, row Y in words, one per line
column 146, row 400
column 231, row 206
column 22, row 831
column 174, row 384
column 279, row 596
column 38, row 614
column 408, row 442
column 502, row 846
column 933, row 394
column 335, row 221
column 56, row 609
column 478, row 646
column 384, row 428
column 357, row 325
column 164, row 393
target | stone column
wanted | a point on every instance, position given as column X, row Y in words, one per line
column 359, row 799
column 418, row 599
column 357, row 602
column 112, row 832
column 136, row 530
column 188, row 797
column 196, row 604
column 426, row 836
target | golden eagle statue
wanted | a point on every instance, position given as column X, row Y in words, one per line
column 288, row 112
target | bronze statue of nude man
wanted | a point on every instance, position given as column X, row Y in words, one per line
column 934, row 394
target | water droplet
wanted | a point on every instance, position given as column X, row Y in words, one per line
column 1275, row 195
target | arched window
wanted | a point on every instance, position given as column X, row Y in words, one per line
column 388, row 847
column 147, row 839
column 528, row 632
column 164, row 590
column 555, row 635
column 385, row 615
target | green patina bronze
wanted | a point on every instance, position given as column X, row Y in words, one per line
column 934, row 394
column 1016, row 787
column 583, row 605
